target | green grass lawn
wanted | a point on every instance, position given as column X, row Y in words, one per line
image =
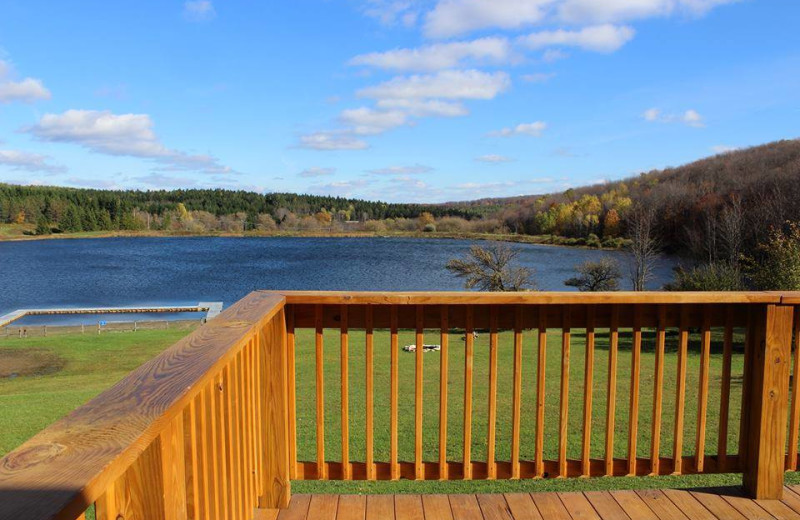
column 90, row 363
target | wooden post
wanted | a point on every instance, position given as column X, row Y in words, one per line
column 44, row 330
column 766, row 416
column 274, row 396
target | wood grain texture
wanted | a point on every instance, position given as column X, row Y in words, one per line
column 444, row 369
column 633, row 409
column 292, row 397
column 588, row 381
column 320, row 391
column 370, row 396
column 768, row 398
column 680, row 399
column 275, row 455
column 564, row 398
column 419, row 341
column 344, row 363
column 611, row 389
column 658, row 391
column 137, row 409
column 469, row 341
column 702, row 400
column 394, row 394
column 492, row 405
column 541, row 364
column 516, row 398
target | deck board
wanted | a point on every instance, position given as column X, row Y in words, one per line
column 649, row 504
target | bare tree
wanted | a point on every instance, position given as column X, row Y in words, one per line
column 600, row 275
column 644, row 245
column 731, row 230
column 492, row 269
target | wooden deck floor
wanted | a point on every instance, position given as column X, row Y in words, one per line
column 667, row 504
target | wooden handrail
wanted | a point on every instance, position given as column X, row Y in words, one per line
column 208, row 429
column 63, row 469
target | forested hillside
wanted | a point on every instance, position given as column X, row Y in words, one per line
column 710, row 210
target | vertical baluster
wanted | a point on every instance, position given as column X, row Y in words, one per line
column 211, row 424
column 247, row 430
column 588, row 382
column 443, row 382
column 230, row 454
column 206, row 506
column 702, row 400
column 191, row 449
column 322, row 470
column 564, row 399
column 633, row 410
column 222, row 439
column 345, row 360
column 291, row 375
column 541, row 364
column 677, row 451
column 516, row 401
column 725, row 392
column 236, row 417
column 419, row 470
column 749, row 348
column 370, row 394
column 491, row 467
column 611, row 406
column 468, row 366
column 655, row 432
column 395, row 388
column 794, row 423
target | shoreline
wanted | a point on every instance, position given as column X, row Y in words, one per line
column 542, row 240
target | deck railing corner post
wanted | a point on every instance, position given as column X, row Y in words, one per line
column 766, row 412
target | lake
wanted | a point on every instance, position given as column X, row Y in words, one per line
column 163, row 271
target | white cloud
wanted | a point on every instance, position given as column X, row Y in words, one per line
column 317, row 172
column 25, row 161
column 534, row 129
column 425, row 107
column 439, row 56
column 393, row 12
column 159, row 180
column 538, row 77
column 448, row 84
column 692, row 118
column 592, row 11
column 598, row 38
column 493, row 158
column 339, row 188
column 124, row 135
column 652, row 114
column 552, row 55
column 199, row 10
column 332, row 140
column 416, row 169
column 368, row 121
column 93, row 183
column 453, row 17
column 723, row 148
column 26, row 90
column 689, row 117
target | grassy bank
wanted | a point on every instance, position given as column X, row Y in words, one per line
column 17, row 232
column 56, row 374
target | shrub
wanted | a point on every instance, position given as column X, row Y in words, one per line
column 777, row 263
column 429, row 228
column 720, row 276
column 600, row 275
column 593, row 241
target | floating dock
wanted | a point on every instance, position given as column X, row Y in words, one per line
column 212, row 309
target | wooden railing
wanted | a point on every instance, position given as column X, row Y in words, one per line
column 218, row 425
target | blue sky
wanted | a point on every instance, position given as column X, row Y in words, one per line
column 398, row 100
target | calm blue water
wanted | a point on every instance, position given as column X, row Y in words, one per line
column 161, row 271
